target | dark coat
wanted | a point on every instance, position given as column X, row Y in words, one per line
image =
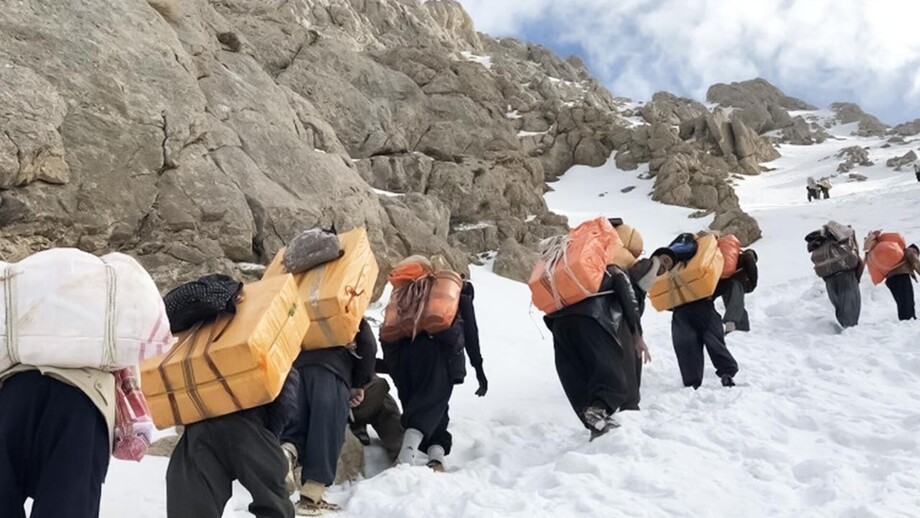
column 611, row 310
column 747, row 270
column 355, row 365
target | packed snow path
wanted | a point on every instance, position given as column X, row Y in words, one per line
column 822, row 423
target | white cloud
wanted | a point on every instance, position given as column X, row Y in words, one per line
column 822, row 50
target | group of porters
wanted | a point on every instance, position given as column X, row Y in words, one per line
column 264, row 376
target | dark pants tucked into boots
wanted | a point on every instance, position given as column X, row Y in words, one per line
column 695, row 326
column 590, row 364
column 212, row 454
column 54, row 448
column 420, row 370
column 732, row 293
column 380, row 410
column 318, row 427
column 902, row 288
column 843, row 290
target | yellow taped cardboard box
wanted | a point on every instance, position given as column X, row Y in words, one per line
column 234, row 363
column 336, row 294
column 697, row 280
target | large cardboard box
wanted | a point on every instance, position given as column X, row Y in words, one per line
column 336, row 294
column 234, row 363
column 691, row 282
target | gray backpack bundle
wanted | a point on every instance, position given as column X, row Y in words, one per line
column 311, row 249
column 833, row 249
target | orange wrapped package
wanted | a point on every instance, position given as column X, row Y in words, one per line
column 731, row 250
column 886, row 255
column 573, row 268
column 336, row 294
column 233, row 363
column 423, row 300
column 691, row 282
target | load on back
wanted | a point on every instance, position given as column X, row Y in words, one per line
column 833, row 249
column 425, row 298
column 336, row 292
column 884, row 254
column 70, row 309
column 571, row 267
column 699, row 267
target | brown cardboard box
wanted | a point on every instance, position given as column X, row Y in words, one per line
column 697, row 280
column 336, row 294
column 233, row 363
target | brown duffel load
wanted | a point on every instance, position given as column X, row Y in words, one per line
column 425, row 298
column 233, row 363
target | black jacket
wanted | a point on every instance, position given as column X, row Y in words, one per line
column 462, row 337
column 354, row 365
column 612, row 310
column 747, row 270
column 275, row 415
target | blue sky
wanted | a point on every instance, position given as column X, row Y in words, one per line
column 863, row 51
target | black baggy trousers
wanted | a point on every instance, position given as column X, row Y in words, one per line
column 212, row 454
column 902, row 289
column 318, row 428
column 696, row 326
column 54, row 448
column 589, row 362
column 421, row 372
column 843, row 291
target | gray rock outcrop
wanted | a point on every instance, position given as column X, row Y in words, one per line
column 515, row 261
column 907, row 129
column 853, row 156
column 213, row 131
column 899, row 162
column 868, row 125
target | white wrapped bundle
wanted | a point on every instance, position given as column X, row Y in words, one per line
column 67, row 308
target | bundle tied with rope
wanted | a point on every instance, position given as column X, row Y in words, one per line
column 426, row 297
column 571, row 267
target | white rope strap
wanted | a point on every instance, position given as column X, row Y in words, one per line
column 108, row 358
column 10, row 299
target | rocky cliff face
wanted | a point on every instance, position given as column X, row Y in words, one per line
column 199, row 135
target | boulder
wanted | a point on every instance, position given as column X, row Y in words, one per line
column 854, row 156
column 515, row 261
column 739, row 223
column 800, row 133
column 898, row 162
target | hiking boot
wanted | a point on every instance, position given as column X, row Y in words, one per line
column 307, row 507
column 595, row 417
column 610, row 424
column 730, row 327
column 436, row 466
column 727, row 381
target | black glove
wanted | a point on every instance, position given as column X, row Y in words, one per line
column 483, row 382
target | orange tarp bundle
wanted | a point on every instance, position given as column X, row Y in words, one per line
column 233, row 363
column 731, row 249
column 574, row 270
column 336, row 293
column 886, row 255
column 691, row 282
column 422, row 300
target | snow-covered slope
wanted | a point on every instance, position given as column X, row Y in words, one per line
column 822, row 423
